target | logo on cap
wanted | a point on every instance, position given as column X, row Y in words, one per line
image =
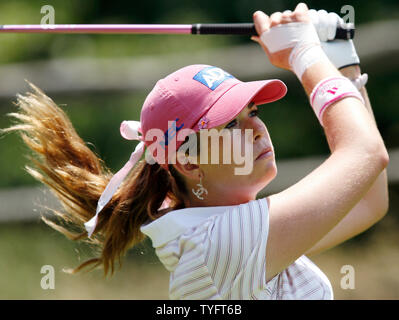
column 170, row 133
column 212, row 77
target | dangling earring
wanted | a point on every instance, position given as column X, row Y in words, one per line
column 200, row 190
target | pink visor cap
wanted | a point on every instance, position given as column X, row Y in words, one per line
column 194, row 97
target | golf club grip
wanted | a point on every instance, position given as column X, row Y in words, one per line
column 249, row 29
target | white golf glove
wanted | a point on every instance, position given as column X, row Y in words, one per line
column 340, row 52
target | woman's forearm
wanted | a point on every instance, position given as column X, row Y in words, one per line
column 353, row 72
column 378, row 193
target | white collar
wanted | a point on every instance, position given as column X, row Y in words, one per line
column 174, row 223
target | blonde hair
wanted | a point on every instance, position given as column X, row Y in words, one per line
column 77, row 176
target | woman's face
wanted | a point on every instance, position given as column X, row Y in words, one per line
column 226, row 180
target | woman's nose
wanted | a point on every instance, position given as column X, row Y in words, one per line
column 259, row 129
column 258, row 135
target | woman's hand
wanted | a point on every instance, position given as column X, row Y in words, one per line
column 341, row 53
column 264, row 23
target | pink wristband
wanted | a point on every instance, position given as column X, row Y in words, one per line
column 331, row 90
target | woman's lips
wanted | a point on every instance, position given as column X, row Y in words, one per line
column 265, row 154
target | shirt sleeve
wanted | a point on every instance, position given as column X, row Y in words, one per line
column 236, row 255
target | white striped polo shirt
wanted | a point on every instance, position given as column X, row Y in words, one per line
column 220, row 253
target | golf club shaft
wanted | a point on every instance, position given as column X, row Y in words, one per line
column 343, row 32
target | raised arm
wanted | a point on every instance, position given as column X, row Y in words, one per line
column 371, row 208
column 303, row 214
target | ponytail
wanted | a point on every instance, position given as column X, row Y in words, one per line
column 63, row 162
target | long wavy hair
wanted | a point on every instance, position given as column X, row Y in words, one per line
column 77, row 176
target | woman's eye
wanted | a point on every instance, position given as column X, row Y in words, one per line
column 231, row 124
column 254, row 113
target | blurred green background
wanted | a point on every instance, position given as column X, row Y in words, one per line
column 27, row 244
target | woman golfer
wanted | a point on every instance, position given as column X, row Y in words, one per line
column 208, row 229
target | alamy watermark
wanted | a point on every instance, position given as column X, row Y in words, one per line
column 48, row 280
column 349, row 12
column 236, row 146
column 348, row 280
column 49, row 16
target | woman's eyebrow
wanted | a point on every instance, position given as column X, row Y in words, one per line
column 251, row 105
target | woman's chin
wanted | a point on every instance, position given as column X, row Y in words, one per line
column 265, row 165
column 266, row 174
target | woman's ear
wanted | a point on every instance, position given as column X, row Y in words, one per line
column 190, row 169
